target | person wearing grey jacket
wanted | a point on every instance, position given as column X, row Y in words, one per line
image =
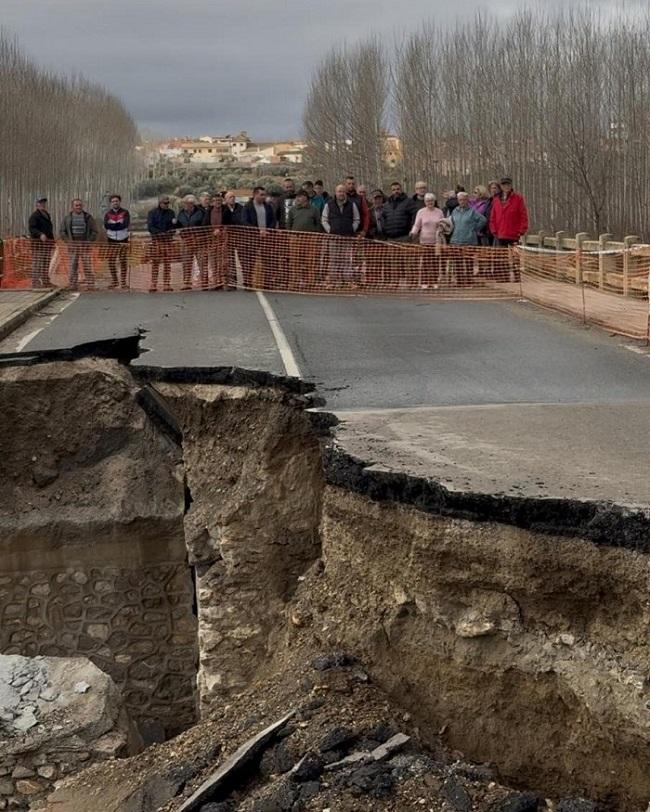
column 79, row 229
column 467, row 224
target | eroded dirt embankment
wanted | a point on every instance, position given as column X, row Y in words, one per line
column 525, row 648
column 530, row 649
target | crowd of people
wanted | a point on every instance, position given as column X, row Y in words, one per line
column 492, row 215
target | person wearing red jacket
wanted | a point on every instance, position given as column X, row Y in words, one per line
column 509, row 216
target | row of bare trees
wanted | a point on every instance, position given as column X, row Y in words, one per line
column 560, row 101
column 61, row 137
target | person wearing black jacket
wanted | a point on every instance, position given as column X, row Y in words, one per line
column 418, row 197
column 397, row 218
column 374, row 252
column 41, row 231
column 285, row 202
column 191, row 221
column 232, row 210
column 231, row 215
column 397, row 215
column 259, row 240
column 451, row 201
column 161, row 223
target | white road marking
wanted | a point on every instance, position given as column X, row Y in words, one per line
column 638, row 350
column 291, row 367
column 24, row 341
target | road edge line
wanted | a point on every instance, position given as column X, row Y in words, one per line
column 31, row 336
column 286, row 353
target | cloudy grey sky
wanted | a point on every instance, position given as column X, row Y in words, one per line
column 193, row 67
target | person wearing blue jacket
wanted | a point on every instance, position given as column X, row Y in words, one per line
column 161, row 224
column 467, row 225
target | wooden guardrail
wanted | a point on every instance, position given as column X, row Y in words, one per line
column 602, row 262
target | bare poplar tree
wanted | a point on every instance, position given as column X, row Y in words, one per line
column 558, row 100
column 345, row 114
column 61, row 138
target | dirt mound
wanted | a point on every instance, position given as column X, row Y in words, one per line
column 341, row 750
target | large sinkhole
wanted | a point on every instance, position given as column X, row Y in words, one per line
column 189, row 533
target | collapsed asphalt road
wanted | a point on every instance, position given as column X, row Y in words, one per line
column 369, row 355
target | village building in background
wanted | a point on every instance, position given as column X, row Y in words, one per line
column 217, row 151
column 241, row 151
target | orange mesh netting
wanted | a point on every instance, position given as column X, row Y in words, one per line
column 276, row 260
column 607, row 288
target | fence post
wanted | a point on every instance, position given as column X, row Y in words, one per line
column 580, row 238
column 559, row 264
column 628, row 242
column 602, row 246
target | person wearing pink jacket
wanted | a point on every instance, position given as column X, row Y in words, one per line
column 428, row 227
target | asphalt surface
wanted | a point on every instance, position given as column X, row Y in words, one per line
column 494, row 397
column 194, row 329
column 397, row 353
column 368, row 353
column 586, row 451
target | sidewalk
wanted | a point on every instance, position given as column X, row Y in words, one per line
column 16, row 306
column 626, row 315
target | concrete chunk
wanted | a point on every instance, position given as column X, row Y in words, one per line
column 394, row 744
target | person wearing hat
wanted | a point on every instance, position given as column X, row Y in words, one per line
column 374, row 251
column 161, row 225
column 304, row 219
column 41, row 232
column 508, row 221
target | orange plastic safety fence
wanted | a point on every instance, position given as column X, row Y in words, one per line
column 608, row 288
column 272, row 260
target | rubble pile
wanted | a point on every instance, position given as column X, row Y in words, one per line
column 316, row 735
column 57, row 716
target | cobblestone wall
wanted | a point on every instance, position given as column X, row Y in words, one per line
column 135, row 624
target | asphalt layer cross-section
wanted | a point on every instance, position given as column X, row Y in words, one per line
column 394, row 369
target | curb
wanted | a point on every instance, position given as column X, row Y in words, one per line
column 7, row 327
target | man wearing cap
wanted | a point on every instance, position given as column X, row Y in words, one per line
column 508, row 220
column 42, row 233
column 304, row 219
column 161, row 224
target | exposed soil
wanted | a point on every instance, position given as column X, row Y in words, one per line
column 340, row 711
column 496, row 629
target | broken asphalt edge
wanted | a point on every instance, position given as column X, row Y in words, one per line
column 602, row 522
